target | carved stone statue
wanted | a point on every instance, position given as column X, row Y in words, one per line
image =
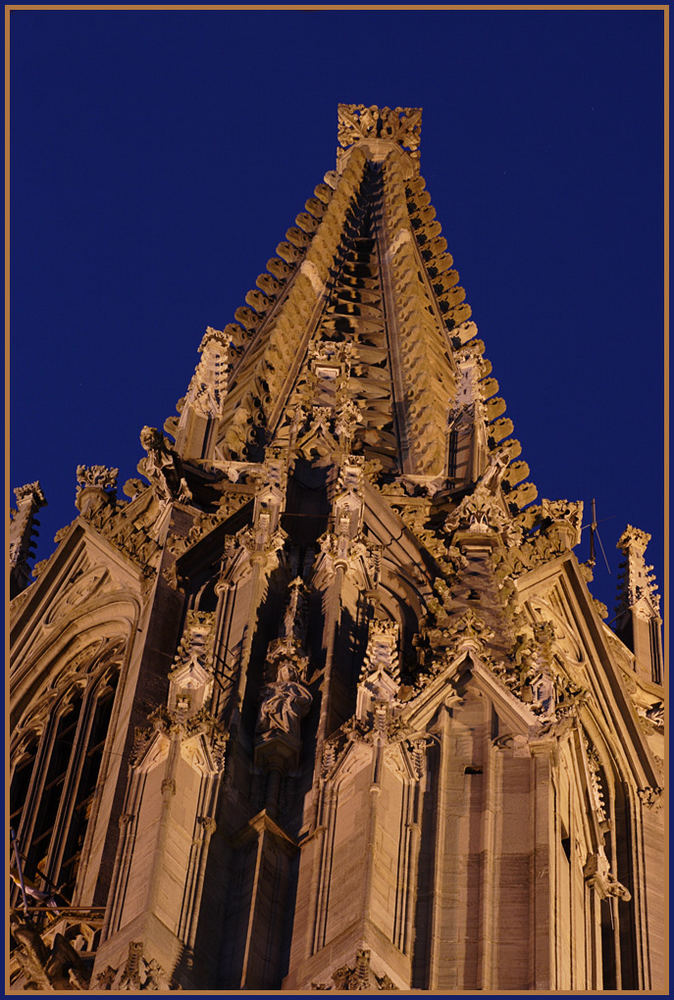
column 162, row 466
column 286, row 701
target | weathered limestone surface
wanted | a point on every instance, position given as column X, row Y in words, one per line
column 325, row 702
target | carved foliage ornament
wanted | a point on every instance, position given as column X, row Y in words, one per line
column 466, row 631
column 193, row 664
column 32, row 493
column 96, row 477
column 137, row 974
column 359, row 976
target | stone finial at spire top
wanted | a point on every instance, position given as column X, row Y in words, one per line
column 377, row 128
column 30, row 493
column 633, row 540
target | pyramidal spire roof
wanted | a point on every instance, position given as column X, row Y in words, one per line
column 357, row 338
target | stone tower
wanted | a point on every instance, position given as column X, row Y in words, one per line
column 325, row 702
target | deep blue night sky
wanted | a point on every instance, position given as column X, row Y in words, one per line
column 158, row 158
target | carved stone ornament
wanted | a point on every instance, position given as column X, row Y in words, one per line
column 98, row 477
column 651, row 797
column 46, row 968
column 638, row 586
column 129, row 529
column 29, row 499
column 192, row 670
column 468, row 631
column 518, row 743
column 567, row 515
column 30, row 493
column 598, row 874
column 356, row 122
column 656, row 714
column 138, row 974
column 596, row 786
column 82, row 586
column 284, row 704
column 380, row 674
column 348, row 417
column 633, row 540
column 359, row 976
column 162, row 467
column 208, row 387
column 482, row 512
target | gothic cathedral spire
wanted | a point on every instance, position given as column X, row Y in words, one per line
column 326, row 702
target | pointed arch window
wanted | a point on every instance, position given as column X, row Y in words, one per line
column 55, row 780
column 20, row 781
column 85, row 785
column 53, row 785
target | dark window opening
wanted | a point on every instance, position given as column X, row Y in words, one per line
column 566, row 847
column 656, row 660
column 50, row 798
column 20, row 785
column 85, row 792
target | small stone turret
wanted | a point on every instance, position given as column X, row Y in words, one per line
column 29, row 499
column 638, row 620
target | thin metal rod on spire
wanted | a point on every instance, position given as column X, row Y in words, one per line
column 594, row 530
column 19, row 869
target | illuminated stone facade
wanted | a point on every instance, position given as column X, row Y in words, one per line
column 325, row 702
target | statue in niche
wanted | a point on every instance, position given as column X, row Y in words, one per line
column 161, row 467
column 285, row 703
